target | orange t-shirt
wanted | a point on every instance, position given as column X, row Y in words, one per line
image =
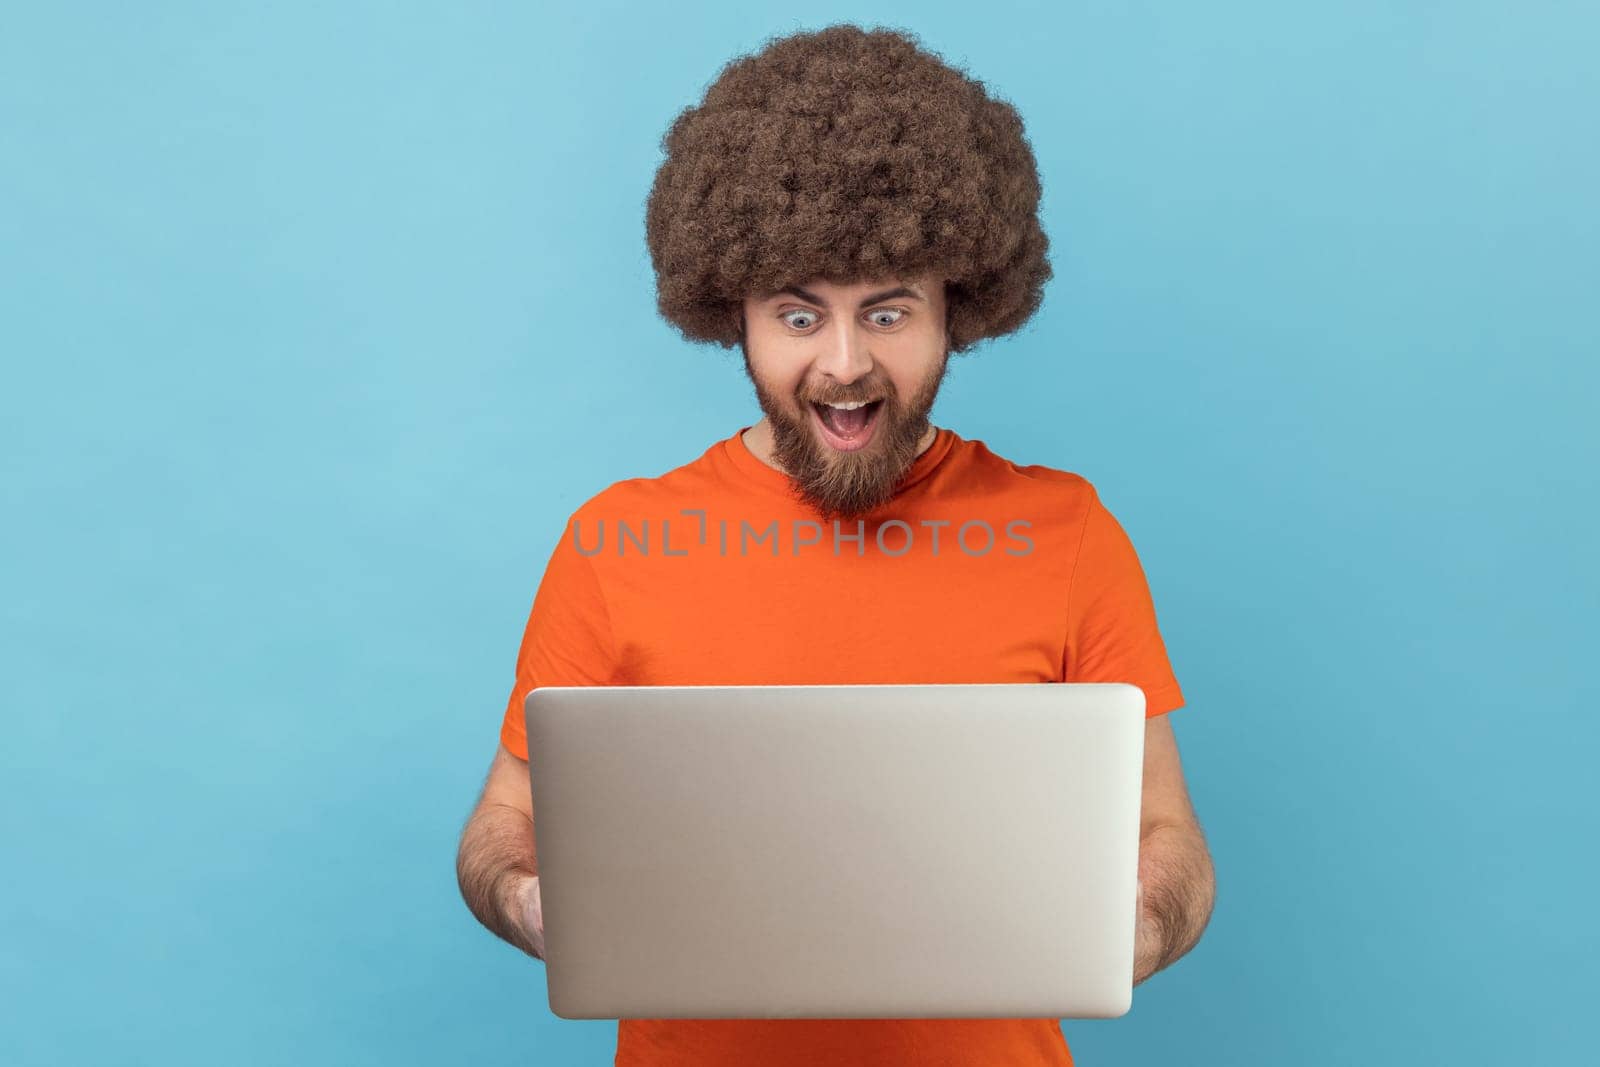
column 977, row 570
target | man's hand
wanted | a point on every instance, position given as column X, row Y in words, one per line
column 1147, row 943
column 530, row 913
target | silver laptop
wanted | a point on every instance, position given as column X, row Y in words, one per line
column 838, row 851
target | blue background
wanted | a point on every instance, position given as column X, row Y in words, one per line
column 317, row 320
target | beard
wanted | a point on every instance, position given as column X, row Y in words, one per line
column 847, row 484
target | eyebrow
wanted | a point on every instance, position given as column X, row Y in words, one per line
column 887, row 294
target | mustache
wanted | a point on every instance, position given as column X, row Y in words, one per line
column 849, row 399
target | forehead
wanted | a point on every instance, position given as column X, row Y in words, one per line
column 848, row 292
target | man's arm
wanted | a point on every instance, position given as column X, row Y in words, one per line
column 1177, row 881
column 495, row 864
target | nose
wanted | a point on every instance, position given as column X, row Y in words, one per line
column 847, row 358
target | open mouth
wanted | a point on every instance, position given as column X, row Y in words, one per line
column 848, row 427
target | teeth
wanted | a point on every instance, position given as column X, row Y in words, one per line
column 850, row 406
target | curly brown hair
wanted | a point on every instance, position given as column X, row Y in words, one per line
column 846, row 155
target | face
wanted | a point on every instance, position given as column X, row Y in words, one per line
column 846, row 376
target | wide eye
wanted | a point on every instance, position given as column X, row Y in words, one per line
column 893, row 313
column 805, row 318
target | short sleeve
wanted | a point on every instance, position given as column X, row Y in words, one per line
column 567, row 640
column 1112, row 634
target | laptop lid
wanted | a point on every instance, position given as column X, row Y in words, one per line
column 838, row 851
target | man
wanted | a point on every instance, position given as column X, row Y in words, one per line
column 850, row 211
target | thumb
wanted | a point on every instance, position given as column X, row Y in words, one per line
column 532, row 903
column 532, row 913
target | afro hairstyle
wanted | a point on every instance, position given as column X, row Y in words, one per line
column 846, row 155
